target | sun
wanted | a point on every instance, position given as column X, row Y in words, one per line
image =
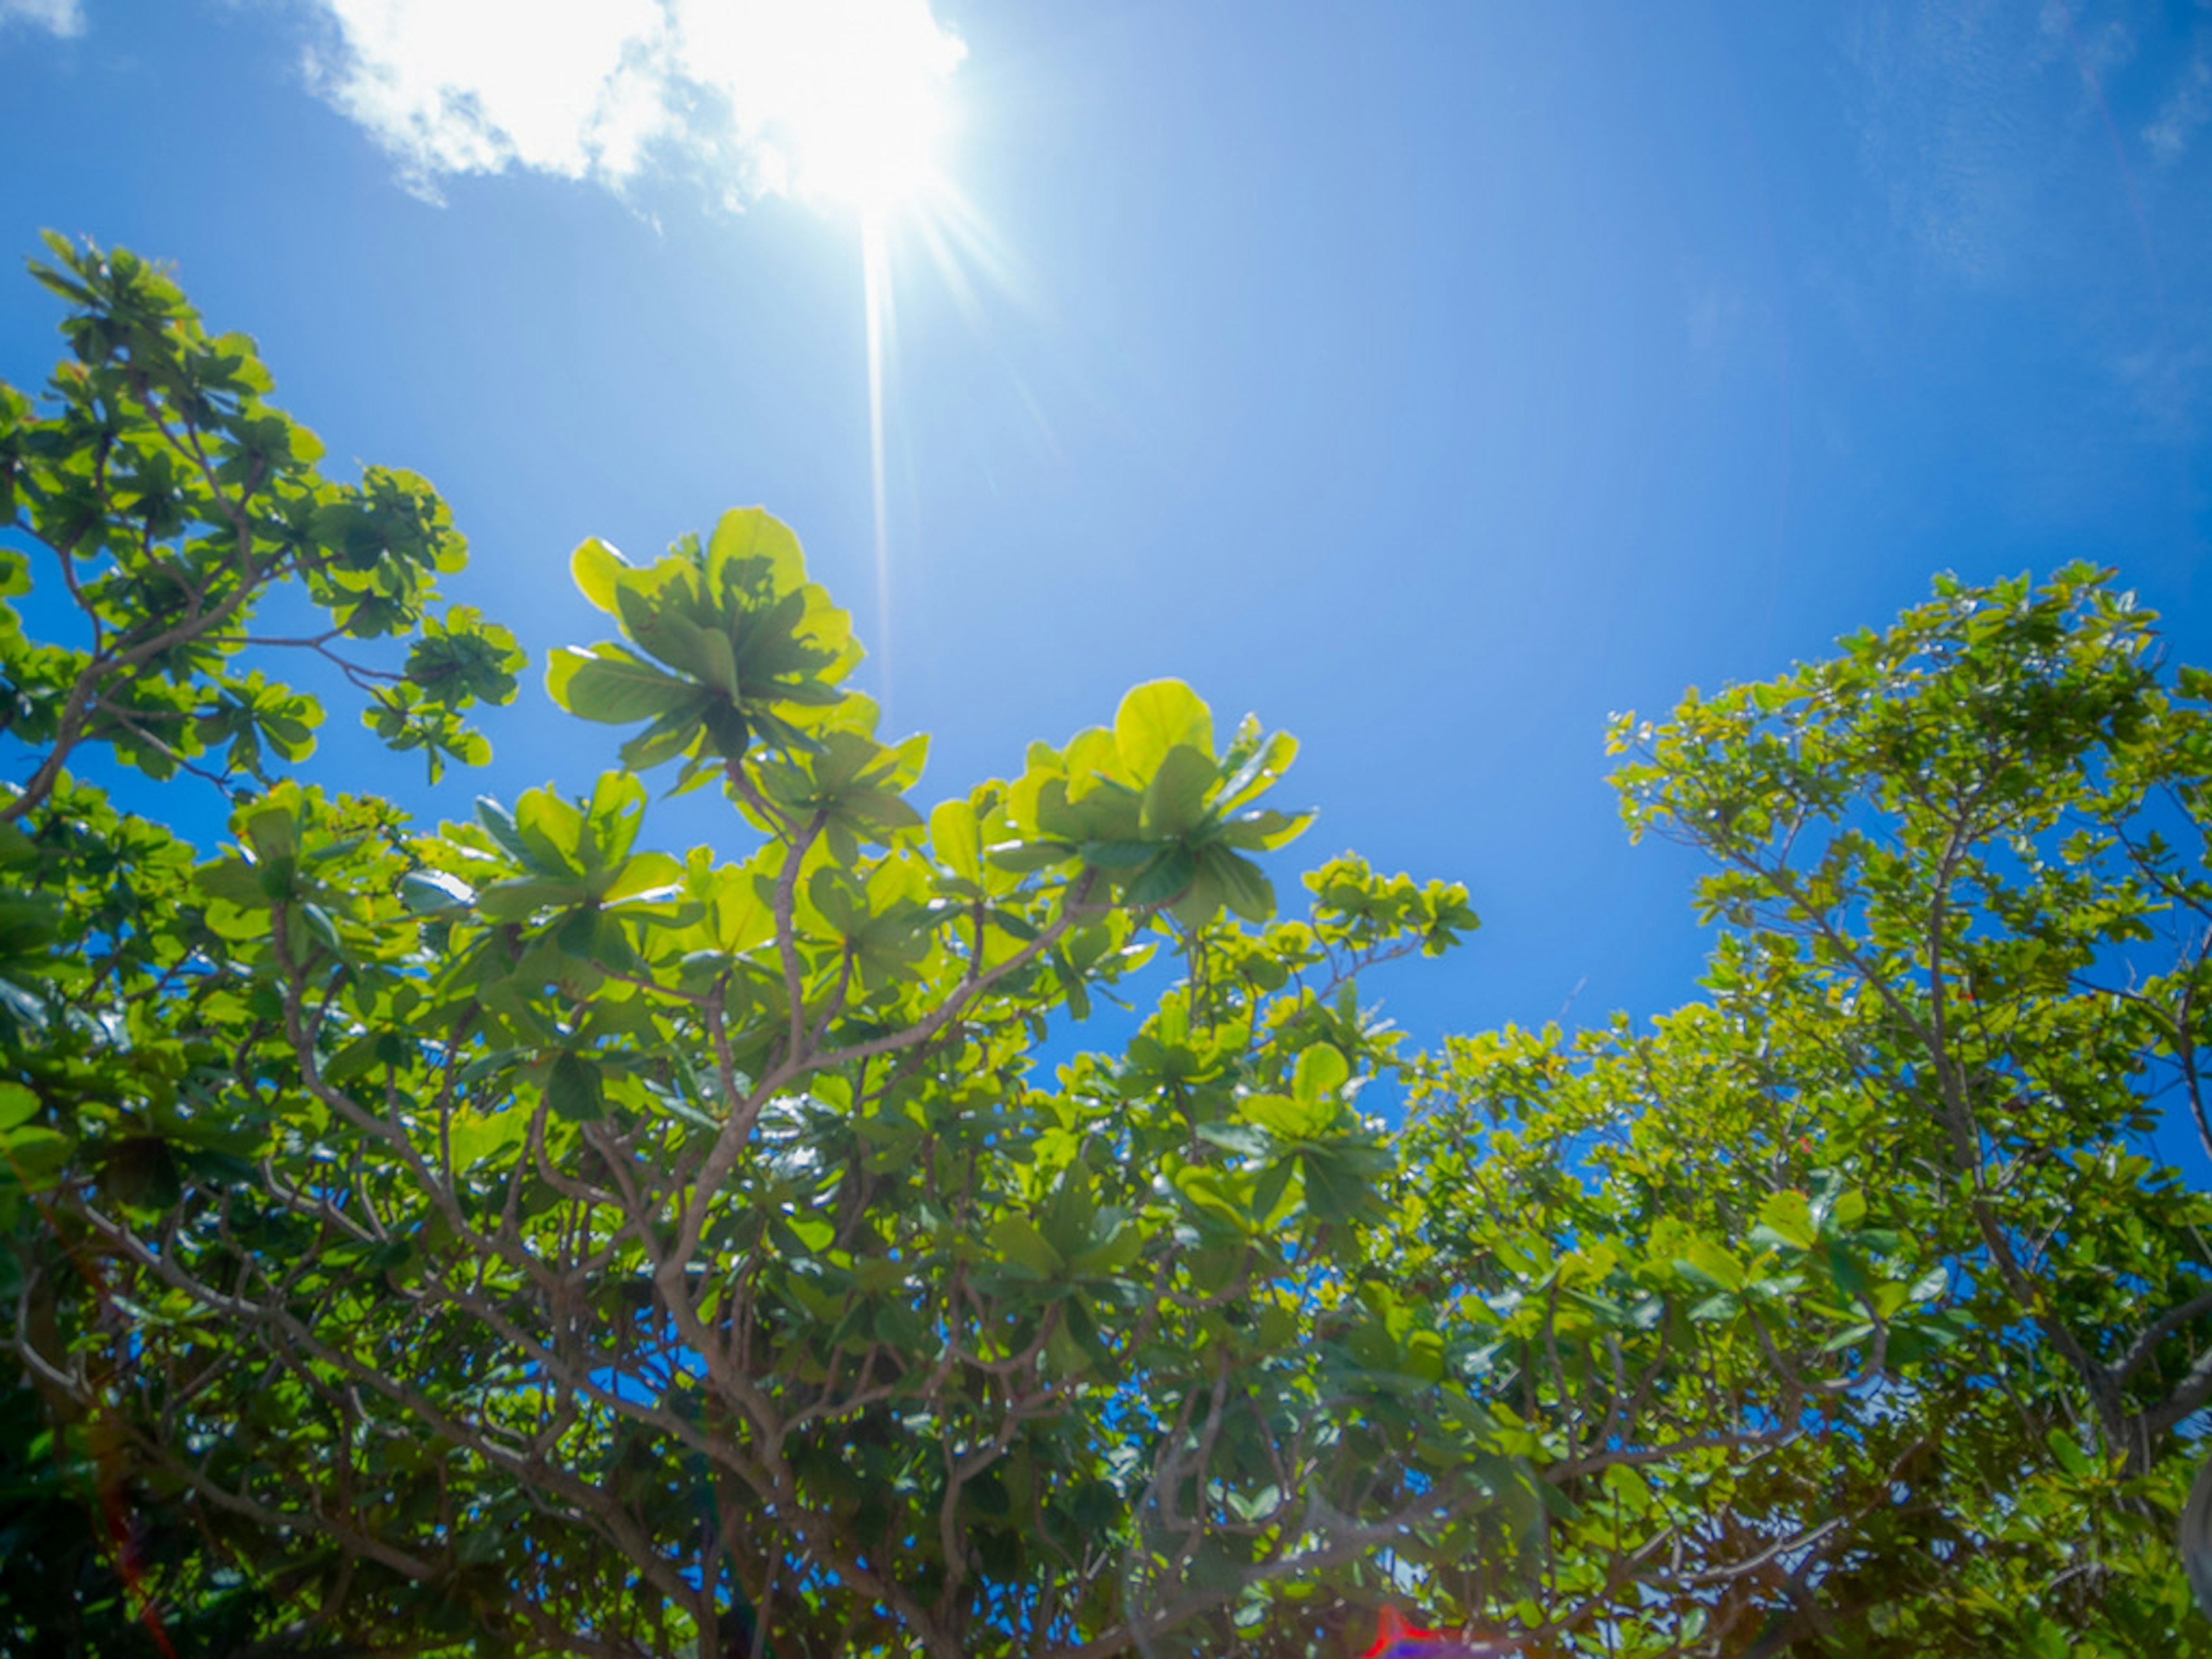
column 850, row 96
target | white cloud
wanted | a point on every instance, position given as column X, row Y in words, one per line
column 476, row 86
column 62, row 17
column 1946, row 91
column 1977, row 117
column 758, row 92
column 2187, row 109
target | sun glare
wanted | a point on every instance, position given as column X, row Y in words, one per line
column 849, row 95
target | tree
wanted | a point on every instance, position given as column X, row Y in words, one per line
column 513, row 1237
column 173, row 501
column 1961, row 874
column 509, row 1236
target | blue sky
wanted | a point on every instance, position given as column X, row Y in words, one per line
column 1433, row 380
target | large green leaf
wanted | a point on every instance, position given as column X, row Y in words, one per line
column 596, row 570
column 1016, row 1241
column 574, row 1089
column 1153, row 719
column 610, row 683
column 751, row 532
column 18, row 1105
column 1174, row 799
column 523, row 897
column 1243, row 888
column 954, row 837
column 1166, row 876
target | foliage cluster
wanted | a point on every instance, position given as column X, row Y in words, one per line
column 506, row 1236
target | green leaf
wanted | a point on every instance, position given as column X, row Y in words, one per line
column 613, row 686
column 574, row 1089
column 1930, row 1284
column 1266, row 765
column 2069, row 1452
column 1789, row 1217
column 472, row 1137
column 597, row 570
column 644, row 873
column 1337, row 1189
column 1243, row 888
column 1116, row 1253
column 35, row 1154
column 1290, row 1119
column 1015, row 1240
column 521, row 897
column 1321, row 1070
column 1153, row 719
column 1709, row 1262
column 1246, row 1139
column 1118, row 854
column 1162, row 879
column 1023, row 856
column 29, row 922
column 954, row 837
column 753, row 533
column 499, row 823
column 18, row 1105
column 1174, row 800
column 433, row 892
column 1263, row 829
column 273, row 833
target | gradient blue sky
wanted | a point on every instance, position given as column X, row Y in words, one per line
column 1433, row 380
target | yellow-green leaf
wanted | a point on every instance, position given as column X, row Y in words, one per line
column 957, row 838
column 753, row 533
column 1790, row 1216
column 611, row 685
column 596, row 568
column 1153, row 719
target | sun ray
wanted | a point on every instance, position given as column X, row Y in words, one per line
column 875, row 269
column 849, row 96
column 848, row 102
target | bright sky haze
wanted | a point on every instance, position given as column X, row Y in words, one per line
column 1433, row 380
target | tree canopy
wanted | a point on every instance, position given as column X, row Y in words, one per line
column 506, row 1236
